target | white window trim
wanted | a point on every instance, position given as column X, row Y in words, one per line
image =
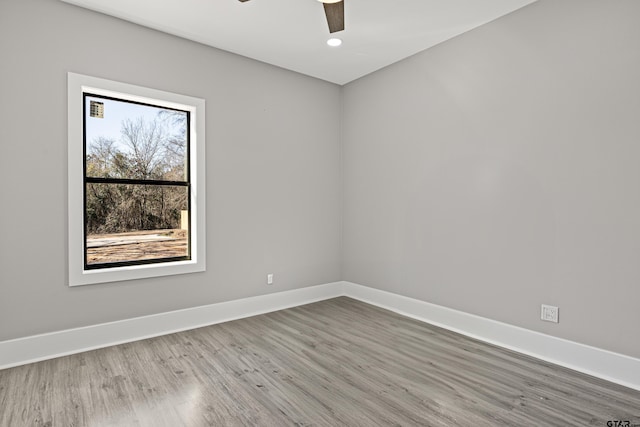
column 77, row 84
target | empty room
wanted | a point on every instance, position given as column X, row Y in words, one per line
column 327, row 213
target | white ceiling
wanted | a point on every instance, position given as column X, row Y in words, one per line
column 292, row 33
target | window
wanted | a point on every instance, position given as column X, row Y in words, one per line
column 136, row 182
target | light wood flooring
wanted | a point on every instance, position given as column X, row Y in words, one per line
column 331, row 363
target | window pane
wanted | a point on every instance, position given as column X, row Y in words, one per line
column 134, row 141
column 128, row 222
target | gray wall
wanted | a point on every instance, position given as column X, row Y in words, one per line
column 273, row 174
column 500, row 170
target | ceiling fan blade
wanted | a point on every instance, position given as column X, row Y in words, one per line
column 335, row 16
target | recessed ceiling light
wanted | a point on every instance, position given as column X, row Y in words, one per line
column 334, row 42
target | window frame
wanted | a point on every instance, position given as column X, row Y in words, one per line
column 80, row 273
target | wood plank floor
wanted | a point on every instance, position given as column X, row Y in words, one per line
column 331, row 363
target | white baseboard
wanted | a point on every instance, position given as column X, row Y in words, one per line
column 35, row 348
column 597, row 362
column 600, row 363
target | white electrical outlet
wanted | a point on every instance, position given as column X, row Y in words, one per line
column 549, row 313
column 270, row 279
